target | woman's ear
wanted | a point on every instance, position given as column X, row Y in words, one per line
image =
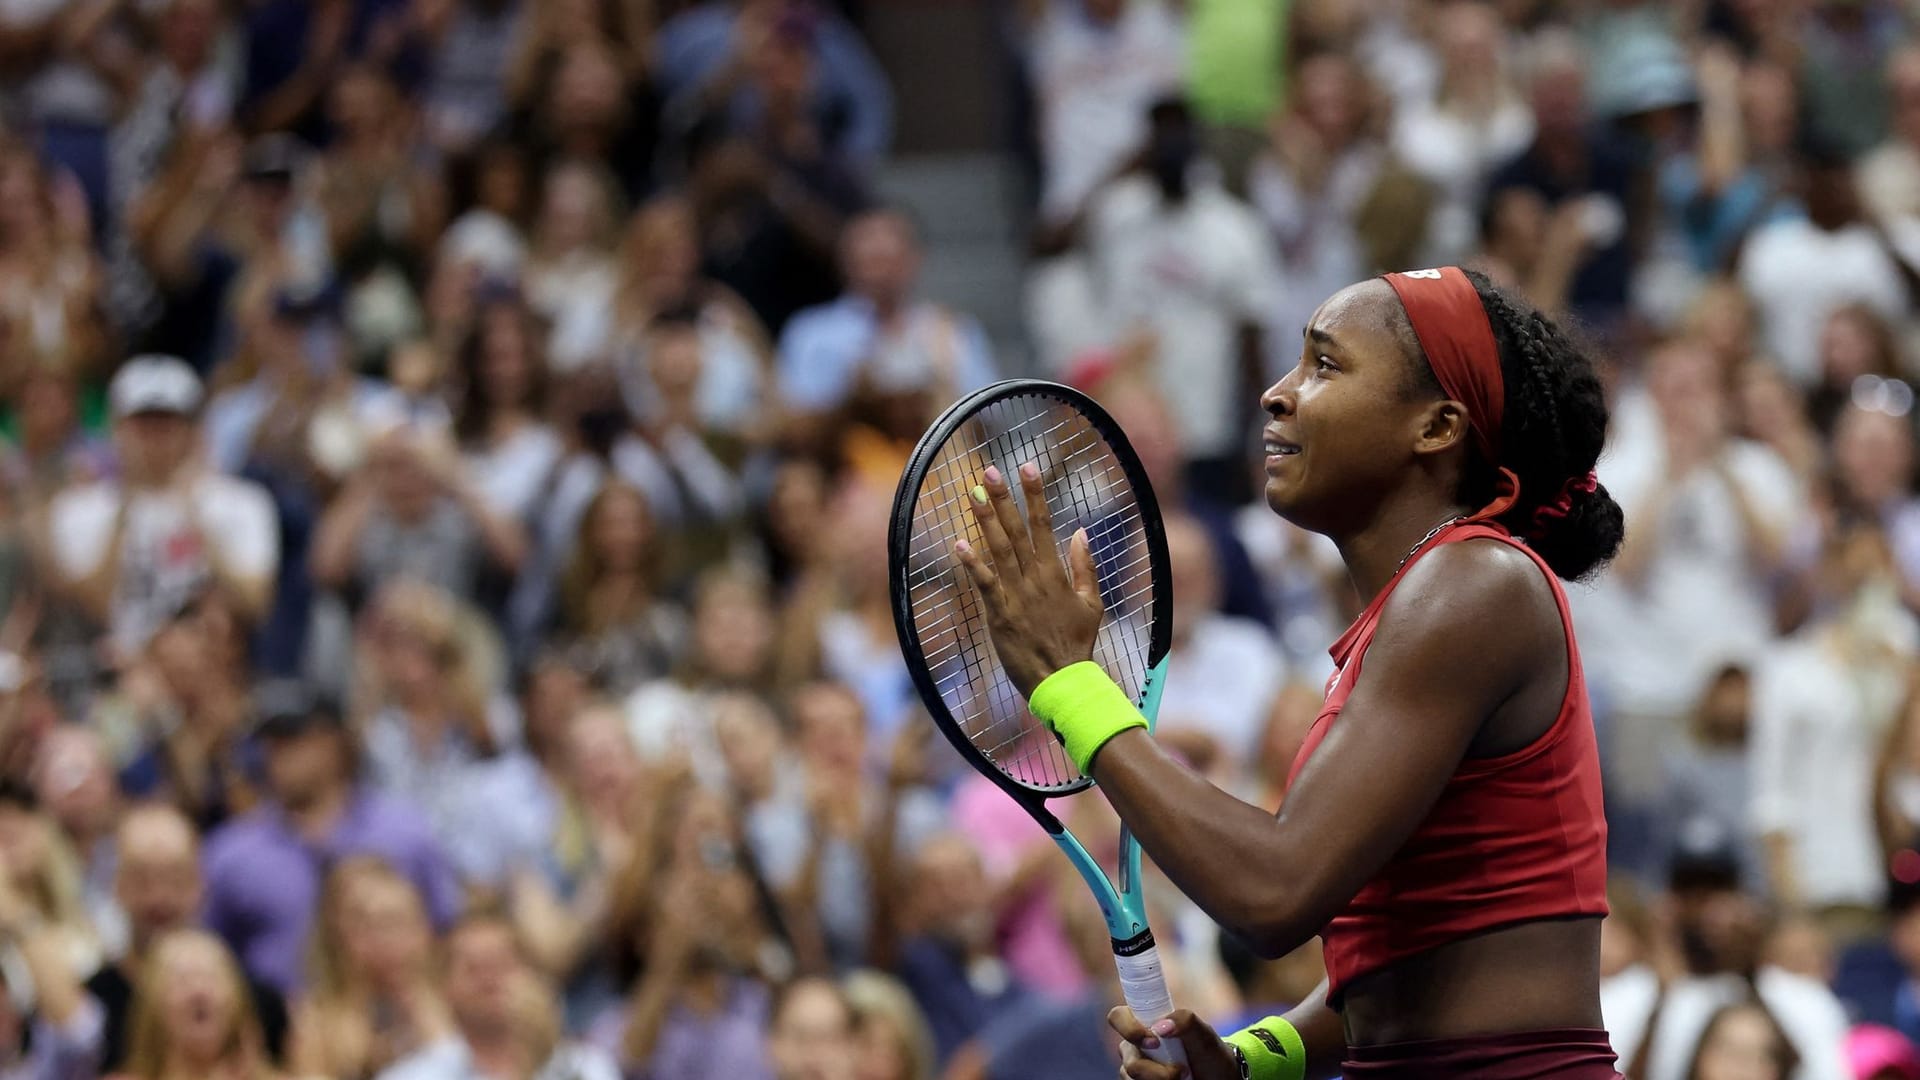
column 1439, row 427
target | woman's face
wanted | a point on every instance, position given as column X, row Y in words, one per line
column 1873, row 454
column 1740, row 1047
column 385, row 931
column 812, row 1035
column 1344, row 424
column 506, row 368
column 795, row 508
column 1848, row 349
column 571, row 210
column 408, row 658
column 881, row 1051
column 48, row 411
column 1768, row 405
column 601, row 756
column 1330, row 98
column 502, row 184
column 733, row 631
column 666, row 247
column 180, row 651
column 200, row 1007
column 621, row 531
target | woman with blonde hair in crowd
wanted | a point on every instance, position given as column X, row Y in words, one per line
column 371, row 953
column 732, row 638
column 43, row 871
column 192, row 1016
column 610, row 592
column 438, row 730
column 659, row 276
column 890, row 1036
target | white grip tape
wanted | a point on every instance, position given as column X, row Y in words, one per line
column 1145, row 987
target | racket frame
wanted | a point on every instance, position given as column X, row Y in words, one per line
column 1123, row 907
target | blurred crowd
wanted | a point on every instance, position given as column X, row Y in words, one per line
column 446, row 450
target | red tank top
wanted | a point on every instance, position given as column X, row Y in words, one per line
column 1512, row 839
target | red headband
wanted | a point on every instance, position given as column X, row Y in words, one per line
column 1452, row 326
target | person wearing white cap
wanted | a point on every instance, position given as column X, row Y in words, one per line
column 133, row 549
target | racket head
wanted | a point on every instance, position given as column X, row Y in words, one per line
column 1093, row 480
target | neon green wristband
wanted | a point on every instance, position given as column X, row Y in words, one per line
column 1273, row 1050
column 1085, row 708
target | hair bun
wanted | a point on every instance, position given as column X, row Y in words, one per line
column 1580, row 539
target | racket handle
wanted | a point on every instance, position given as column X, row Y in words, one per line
column 1145, row 988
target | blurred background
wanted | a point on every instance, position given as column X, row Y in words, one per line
column 446, row 446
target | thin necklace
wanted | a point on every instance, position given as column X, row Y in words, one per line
column 1422, row 542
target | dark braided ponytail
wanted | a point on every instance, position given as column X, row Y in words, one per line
column 1555, row 426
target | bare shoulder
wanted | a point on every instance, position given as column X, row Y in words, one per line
column 1481, row 598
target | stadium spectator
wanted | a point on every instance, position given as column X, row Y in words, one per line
column 136, row 547
column 158, row 884
column 191, row 1013
column 879, row 339
column 1096, row 65
column 264, row 870
column 1183, row 264
column 495, row 1017
column 1857, row 265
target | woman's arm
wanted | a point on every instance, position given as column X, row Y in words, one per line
column 1276, row 880
column 1464, row 630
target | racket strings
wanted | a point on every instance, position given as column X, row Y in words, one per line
column 1085, row 487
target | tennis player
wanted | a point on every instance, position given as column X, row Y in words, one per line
column 1442, row 828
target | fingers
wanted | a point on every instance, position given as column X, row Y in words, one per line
column 993, row 530
column 1197, row 1036
column 1039, row 514
column 1084, row 577
column 1125, row 1024
column 1007, row 513
column 977, row 568
column 1135, row 1067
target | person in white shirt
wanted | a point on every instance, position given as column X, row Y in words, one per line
column 498, row 1019
column 1889, row 175
column 1689, row 591
column 1854, row 262
column 1656, row 1025
column 1097, row 65
column 878, row 336
column 133, row 549
column 1823, row 704
column 1475, row 122
column 1179, row 261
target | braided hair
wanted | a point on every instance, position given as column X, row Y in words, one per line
column 1552, row 434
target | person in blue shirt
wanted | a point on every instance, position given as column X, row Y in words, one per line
column 878, row 338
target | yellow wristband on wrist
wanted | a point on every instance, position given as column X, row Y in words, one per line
column 1086, row 708
column 1273, row 1049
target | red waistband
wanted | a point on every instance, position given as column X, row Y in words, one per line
column 1560, row 1053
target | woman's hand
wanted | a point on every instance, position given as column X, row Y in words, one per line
column 1042, row 617
column 1207, row 1055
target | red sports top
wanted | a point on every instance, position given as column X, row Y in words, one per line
column 1512, row 838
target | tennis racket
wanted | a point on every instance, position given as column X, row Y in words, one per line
column 1093, row 480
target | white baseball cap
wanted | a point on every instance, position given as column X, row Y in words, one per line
column 153, row 383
